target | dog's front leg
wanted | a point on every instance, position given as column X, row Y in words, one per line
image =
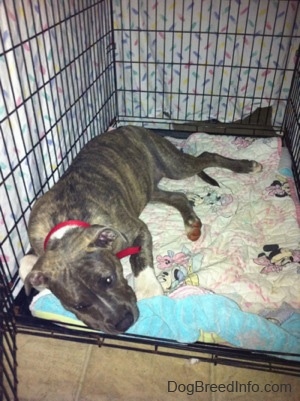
column 146, row 283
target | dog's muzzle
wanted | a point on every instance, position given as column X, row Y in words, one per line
column 125, row 323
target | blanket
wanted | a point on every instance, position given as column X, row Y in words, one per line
column 185, row 318
column 238, row 284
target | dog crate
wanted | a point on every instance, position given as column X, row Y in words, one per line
column 71, row 70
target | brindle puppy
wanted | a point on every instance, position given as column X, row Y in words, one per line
column 108, row 185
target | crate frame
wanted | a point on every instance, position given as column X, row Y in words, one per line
column 14, row 316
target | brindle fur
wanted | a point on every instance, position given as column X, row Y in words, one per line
column 108, row 185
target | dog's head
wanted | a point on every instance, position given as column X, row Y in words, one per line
column 82, row 271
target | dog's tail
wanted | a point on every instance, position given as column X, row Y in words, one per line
column 205, row 177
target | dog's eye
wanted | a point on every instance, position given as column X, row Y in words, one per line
column 107, row 281
column 81, row 306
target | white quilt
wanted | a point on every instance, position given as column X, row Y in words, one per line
column 239, row 283
column 249, row 249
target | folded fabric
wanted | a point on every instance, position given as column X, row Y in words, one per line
column 183, row 319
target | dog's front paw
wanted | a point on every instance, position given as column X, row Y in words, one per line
column 146, row 284
column 193, row 229
column 256, row 167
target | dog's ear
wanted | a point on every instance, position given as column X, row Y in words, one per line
column 31, row 273
column 26, row 265
column 36, row 279
column 104, row 237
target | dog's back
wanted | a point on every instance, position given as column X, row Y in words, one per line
column 112, row 178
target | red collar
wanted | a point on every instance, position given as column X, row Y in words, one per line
column 78, row 223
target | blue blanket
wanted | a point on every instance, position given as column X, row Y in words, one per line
column 183, row 320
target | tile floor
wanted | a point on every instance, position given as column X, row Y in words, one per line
column 56, row 370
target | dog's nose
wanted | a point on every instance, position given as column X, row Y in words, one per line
column 125, row 323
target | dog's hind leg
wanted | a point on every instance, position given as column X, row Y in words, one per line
column 189, row 165
column 179, row 200
column 174, row 164
column 236, row 165
column 207, row 159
